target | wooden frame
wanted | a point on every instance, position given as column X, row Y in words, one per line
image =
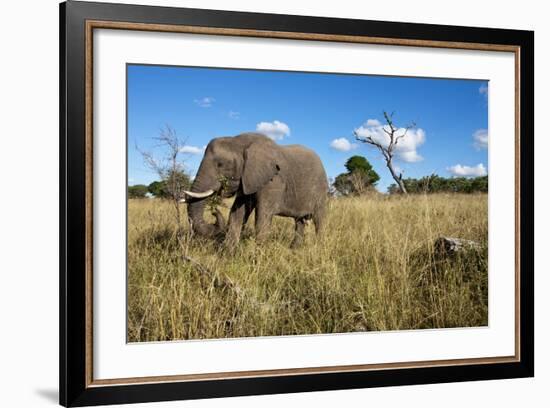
column 77, row 385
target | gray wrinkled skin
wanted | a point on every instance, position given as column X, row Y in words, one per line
column 271, row 179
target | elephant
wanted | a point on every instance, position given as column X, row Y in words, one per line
column 270, row 179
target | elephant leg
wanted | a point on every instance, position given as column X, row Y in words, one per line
column 248, row 208
column 298, row 233
column 319, row 215
column 263, row 222
column 236, row 221
column 319, row 220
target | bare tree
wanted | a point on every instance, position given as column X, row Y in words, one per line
column 357, row 180
column 170, row 167
column 388, row 150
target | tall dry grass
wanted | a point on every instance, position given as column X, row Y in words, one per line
column 374, row 269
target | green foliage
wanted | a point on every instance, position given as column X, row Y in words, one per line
column 360, row 163
column 137, row 191
column 359, row 179
column 438, row 184
column 158, row 189
column 342, row 184
column 216, row 199
column 172, row 186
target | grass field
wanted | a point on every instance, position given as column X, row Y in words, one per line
column 374, row 269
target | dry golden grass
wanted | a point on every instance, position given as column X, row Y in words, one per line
column 374, row 269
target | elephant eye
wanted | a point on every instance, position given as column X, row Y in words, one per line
column 220, row 164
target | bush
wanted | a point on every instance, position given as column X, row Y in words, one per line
column 137, row 191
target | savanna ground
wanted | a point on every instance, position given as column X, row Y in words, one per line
column 375, row 268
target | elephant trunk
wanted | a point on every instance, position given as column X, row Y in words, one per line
column 195, row 207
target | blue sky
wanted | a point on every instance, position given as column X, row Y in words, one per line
column 318, row 110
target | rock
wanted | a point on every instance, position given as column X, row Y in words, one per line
column 452, row 246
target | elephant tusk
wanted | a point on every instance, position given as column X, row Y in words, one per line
column 199, row 195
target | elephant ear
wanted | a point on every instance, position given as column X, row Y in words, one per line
column 261, row 164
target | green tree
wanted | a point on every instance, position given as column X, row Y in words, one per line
column 362, row 165
column 342, row 184
column 176, row 182
column 158, row 189
column 137, row 191
column 481, row 184
column 172, row 186
column 360, row 177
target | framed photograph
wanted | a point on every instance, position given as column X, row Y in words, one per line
column 257, row 204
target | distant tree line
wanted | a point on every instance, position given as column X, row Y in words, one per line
column 138, row 191
column 438, row 184
column 359, row 179
column 161, row 189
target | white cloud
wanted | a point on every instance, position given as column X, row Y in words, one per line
column 274, row 130
column 481, row 139
column 233, row 115
column 410, row 156
column 458, row 170
column 342, row 144
column 405, row 149
column 205, row 102
column 192, row 149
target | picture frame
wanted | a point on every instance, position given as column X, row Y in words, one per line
column 78, row 20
